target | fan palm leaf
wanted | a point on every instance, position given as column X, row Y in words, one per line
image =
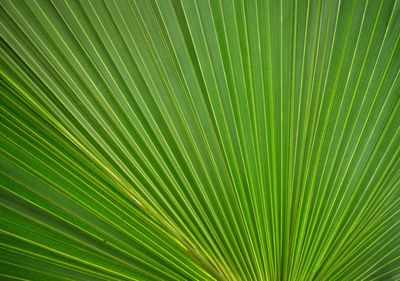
column 200, row 140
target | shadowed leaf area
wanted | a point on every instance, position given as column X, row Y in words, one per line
column 240, row 140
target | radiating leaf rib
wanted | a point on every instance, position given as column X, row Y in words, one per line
column 200, row 140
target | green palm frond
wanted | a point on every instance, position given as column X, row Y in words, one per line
column 200, row 140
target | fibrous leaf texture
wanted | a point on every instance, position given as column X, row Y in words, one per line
column 200, row 140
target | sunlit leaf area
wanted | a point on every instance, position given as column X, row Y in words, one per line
column 238, row 140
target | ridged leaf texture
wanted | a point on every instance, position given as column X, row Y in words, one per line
column 200, row 140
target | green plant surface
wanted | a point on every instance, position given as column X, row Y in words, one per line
column 200, row 140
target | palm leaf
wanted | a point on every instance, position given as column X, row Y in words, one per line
column 200, row 140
